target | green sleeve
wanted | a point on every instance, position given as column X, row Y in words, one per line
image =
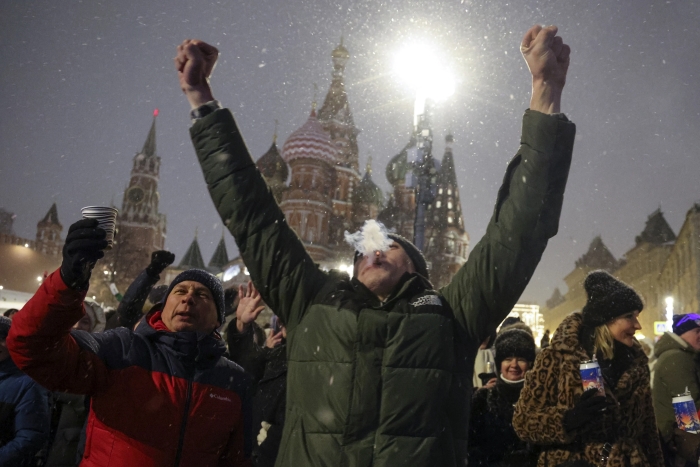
column 279, row 265
column 526, row 215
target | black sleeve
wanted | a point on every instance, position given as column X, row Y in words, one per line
column 130, row 308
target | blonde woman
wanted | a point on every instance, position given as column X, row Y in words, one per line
column 618, row 429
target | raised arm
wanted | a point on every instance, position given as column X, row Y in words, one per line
column 529, row 201
column 279, row 265
column 130, row 309
column 39, row 341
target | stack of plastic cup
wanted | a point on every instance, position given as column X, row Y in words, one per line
column 106, row 220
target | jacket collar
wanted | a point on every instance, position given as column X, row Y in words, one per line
column 410, row 285
column 203, row 349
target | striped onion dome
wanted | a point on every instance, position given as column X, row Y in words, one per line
column 310, row 141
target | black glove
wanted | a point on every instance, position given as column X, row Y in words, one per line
column 589, row 408
column 160, row 260
column 83, row 247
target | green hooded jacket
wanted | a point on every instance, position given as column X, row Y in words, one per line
column 388, row 383
column 675, row 369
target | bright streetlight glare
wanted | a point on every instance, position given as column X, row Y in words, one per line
column 422, row 68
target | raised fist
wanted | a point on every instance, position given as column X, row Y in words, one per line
column 194, row 62
column 546, row 55
column 160, row 260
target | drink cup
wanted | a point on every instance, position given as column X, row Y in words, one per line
column 106, row 220
column 591, row 376
column 686, row 414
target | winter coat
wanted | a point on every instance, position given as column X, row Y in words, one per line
column 374, row 383
column 492, row 440
column 159, row 398
column 269, row 370
column 71, row 414
column 24, row 416
column 675, row 371
column 554, row 385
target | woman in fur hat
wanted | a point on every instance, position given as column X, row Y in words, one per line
column 618, row 429
column 492, row 440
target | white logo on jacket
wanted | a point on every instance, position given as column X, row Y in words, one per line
column 427, row 300
column 221, row 398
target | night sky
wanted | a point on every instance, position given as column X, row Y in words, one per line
column 80, row 80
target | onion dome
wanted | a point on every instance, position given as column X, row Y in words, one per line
column 272, row 166
column 367, row 191
column 310, row 141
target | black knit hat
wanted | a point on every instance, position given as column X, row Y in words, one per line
column 685, row 323
column 4, row 327
column 608, row 298
column 514, row 342
column 411, row 250
column 209, row 281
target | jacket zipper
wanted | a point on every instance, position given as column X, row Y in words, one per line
column 180, row 443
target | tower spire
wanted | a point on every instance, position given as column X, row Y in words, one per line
column 274, row 136
column 149, row 147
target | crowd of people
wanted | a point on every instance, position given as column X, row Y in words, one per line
column 373, row 369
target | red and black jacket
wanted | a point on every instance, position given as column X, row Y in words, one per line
column 159, row 398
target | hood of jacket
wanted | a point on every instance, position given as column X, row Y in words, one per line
column 670, row 341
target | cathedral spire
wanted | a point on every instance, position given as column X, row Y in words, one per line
column 149, row 147
column 220, row 256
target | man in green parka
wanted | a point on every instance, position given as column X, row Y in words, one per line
column 380, row 364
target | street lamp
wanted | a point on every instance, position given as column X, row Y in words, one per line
column 422, row 69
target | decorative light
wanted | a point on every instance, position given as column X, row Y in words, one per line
column 1, row 287
column 348, row 268
column 106, row 273
column 26, row 245
column 38, row 278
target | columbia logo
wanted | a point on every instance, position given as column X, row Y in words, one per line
column 427, row 300
column 221, row 398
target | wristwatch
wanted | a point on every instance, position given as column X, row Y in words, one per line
column 204, row 110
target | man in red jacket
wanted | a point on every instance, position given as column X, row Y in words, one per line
column 163, row 394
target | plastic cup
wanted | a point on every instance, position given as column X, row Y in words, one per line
column 591, row 376
column 686, row 414
column 106, row 219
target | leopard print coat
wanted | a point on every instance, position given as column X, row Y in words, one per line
column 554, row 385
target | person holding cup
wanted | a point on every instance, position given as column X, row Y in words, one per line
column 571, row 424
column 162, row 394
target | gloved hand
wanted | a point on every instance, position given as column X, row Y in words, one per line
column 160, row 260
column 83, row 247
column 589, row 408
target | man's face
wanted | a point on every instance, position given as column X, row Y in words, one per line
column 190, row 307
column 381, row 272
column 692, row 337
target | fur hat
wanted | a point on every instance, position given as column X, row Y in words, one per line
column 513, row 342
column 209, row 281
column 411, row 250
column 608, row 298
column 685, row 323
column 5, row 324
column 97, row 316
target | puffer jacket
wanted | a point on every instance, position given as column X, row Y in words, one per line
column 374, row 383
column 675, row 370
column 24, row 417
column 159, row 398
column 554, row 385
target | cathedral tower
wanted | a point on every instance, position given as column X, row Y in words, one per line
column 307, row 203
column 337, row 120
